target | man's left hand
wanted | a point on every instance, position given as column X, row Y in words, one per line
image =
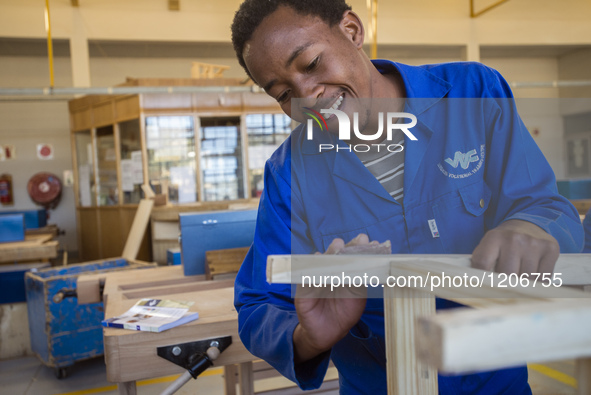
column 516, row 246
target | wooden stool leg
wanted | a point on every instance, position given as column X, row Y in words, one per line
column 127, row 388
column 230, row 379
column 406, row 375
column 246, row 378
column 583, row 372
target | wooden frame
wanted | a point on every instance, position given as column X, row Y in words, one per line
column 521, row 323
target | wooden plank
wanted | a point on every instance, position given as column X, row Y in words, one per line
column 406, row 374
column 473, row 340
column 127, row 388
column 219, row 262
column 51, row 230
column 583, row 372
column 246, row 378
column 289, row 269
column 88, row 285
column 230, row 379
column 138, row 228
column 29, row 250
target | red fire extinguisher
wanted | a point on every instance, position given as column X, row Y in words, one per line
column 6, row 190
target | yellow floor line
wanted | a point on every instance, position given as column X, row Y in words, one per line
column 554, row 374
column 167, row 379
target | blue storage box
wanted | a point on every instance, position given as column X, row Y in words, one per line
column 173, row 256
column 575, row 189
column 217, row 230
column 33, row 218
column 12, row 228
column 63, row 332
column 12, row 281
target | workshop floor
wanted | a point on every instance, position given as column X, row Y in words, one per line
column 27, row 376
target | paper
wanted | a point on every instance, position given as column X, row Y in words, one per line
column 137, row 169
column 84, row 185
column 127, row 175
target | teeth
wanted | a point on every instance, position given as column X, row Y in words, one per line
column 337, row 103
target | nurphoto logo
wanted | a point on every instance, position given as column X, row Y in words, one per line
column 392, row 121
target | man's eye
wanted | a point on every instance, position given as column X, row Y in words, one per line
column 313, row 64
column 282, row 97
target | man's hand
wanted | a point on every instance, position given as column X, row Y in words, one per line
column 325, row 318
column 516, row 246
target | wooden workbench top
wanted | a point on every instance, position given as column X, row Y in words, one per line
column 131, row 355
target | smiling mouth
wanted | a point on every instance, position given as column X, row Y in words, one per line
column 335, row 106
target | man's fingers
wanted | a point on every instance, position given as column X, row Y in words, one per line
column 486, row 254
column 361, row 239
column 509, row 261
column 335, row 246
column 549, row 259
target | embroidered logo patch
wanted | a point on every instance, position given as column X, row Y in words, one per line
column 463, row 161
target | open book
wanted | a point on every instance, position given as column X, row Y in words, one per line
column 153, row 315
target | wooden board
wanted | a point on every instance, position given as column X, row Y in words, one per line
column 226, row 261
column 532, row 323
column 289, row 269
column 131, row 355
column 456, row 342
column 138, row 229
column 407, row 374
column 33, row 247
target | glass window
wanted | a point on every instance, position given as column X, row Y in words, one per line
column 107, row 191
column 221, row 159
column 265, row 133
column 86, row 190
column 132, row 175
column 170, row 142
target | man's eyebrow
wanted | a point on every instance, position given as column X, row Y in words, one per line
column 269, row 85
column 297, row 53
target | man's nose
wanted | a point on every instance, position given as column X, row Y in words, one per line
column 309, row 89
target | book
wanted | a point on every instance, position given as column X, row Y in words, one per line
column 153, row 315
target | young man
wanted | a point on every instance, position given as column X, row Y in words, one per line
column 500, row 204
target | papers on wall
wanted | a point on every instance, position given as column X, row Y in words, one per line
column 137, row 169
column 127, row 175
column 84, row 185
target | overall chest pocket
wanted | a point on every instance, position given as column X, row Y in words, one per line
column 460, row 217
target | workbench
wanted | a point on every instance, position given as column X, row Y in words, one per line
column 38, row 247
column 131, row 355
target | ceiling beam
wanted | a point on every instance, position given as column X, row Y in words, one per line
column 474, row 14
column 174, row 5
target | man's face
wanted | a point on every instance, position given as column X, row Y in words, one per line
column 301, row 57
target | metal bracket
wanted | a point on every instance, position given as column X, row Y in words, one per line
column 184, row 354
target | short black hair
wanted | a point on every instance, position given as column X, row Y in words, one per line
column 252, row 12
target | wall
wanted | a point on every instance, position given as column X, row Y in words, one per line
column 24, row 125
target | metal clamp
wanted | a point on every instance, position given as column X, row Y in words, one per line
column 187, row 355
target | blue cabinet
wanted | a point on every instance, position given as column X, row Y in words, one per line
column 216, row 230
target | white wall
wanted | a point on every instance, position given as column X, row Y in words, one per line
column 24, row 125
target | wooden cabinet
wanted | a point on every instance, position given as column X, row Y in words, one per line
column 205, row 151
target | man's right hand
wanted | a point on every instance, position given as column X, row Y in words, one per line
column 326, row 317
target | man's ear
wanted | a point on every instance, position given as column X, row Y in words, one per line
column 352, row 26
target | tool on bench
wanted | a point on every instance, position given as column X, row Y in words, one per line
column 196, row 357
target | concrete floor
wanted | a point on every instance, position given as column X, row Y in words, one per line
column 27, row 376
